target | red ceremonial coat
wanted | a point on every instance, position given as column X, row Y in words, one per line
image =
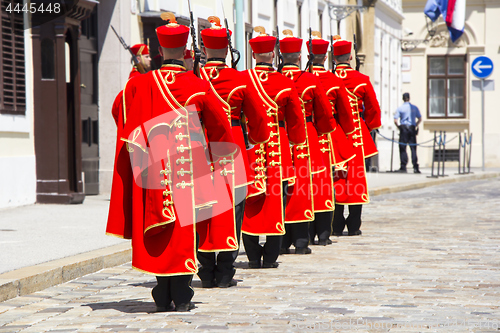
column 350, row 179
column 264, row 213
column 118, row 103
column 237, row 95
column 160, row 165
column 311, row 194
column 338, row 141
column 133, row 73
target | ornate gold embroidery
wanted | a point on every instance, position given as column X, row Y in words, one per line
column 232, row 243
column 191, row 265
column 280, row 227
column 263, row 76
column 329, row 204
column 170, row 74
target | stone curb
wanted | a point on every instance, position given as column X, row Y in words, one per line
column 30, row 279
column 431, row 182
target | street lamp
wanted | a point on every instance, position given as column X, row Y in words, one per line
column 408, row 45
column 340, row 12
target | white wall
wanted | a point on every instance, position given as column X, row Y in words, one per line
column 387, row 74
column 17, row 146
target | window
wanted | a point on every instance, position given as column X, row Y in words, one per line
column 320, row 15
column 299, row 20
column 12, row 67
column 446, row 84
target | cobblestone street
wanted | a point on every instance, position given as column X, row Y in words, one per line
column 428, row 260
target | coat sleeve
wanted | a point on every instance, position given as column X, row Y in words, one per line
column 372, row 108
column 343, row 108
column 117, row 107
column 119, row 222
column 294, row 119
column 258, row 131
column 216, row 124
column 323, row 116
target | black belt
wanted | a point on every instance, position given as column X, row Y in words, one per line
column 309, row 119
column 235, row 122
column 281, row 123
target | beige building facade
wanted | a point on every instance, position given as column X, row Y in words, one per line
column 437, row 74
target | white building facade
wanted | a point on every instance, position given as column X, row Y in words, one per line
column 17, row 150
column 437, row 74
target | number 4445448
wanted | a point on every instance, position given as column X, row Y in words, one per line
column 34, row 8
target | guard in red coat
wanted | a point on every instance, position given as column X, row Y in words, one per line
column 312, row 196
column 141, row 51
column 336, row 147
column 241, row 103
column 350, row 180
column 264, row 214
column 160, row 163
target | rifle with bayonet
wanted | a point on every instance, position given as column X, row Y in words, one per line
column 358, row 63
column 310, row 63
column 334, row 65
column 235, row 54
column 137, row 63
column 197, row 52
column 278, row 51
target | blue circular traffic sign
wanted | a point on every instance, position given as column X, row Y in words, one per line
column 482, row 67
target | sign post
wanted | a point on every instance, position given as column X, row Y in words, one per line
column 482, row 67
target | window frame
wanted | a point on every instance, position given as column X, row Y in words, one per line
column 447, row 77
column 18, row 108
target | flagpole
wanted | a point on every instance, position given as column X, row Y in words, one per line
column 482, row 121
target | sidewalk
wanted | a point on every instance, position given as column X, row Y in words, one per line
column 44, row 245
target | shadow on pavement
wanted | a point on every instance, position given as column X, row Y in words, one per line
column 127, row 306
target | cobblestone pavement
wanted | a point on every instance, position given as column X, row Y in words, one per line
column 428, row 261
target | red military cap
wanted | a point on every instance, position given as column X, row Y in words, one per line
column 341, row 47
column 215, row 37
column 139, row 49
column 320, row 46
column 263, row 43
column 290, row 44
column 172, row 35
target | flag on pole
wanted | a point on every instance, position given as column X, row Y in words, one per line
column 453, row 12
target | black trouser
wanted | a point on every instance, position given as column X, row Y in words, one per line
column 173, row 288
column 222, row 268
column 296, row 234
column 408, row 135
column 353, row 221
column 321, row 226
column 271, row 249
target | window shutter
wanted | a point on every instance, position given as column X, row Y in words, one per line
column 12, row 62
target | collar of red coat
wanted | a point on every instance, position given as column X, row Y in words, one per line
column 319, row 68
column 173, row 68
column 218, row 64
column 291, row 68
column 264, row 68
column 343, row 66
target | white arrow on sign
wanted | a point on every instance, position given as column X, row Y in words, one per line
column 478, row 66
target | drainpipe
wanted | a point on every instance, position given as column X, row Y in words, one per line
column 240, row 32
